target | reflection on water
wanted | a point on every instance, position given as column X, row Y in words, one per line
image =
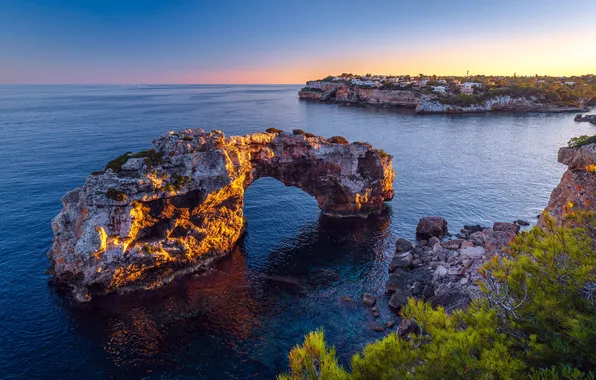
column 245, row 310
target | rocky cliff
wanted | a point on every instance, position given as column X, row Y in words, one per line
column 344, row 94
column 150, row 216
column 429, row 104
column 577, row 189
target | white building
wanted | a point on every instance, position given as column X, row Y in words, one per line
column 439, row 89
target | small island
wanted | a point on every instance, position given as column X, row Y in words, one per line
column 456, row 94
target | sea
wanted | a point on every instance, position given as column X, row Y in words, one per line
column 294, row 271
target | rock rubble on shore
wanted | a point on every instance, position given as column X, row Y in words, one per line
column 444, row 272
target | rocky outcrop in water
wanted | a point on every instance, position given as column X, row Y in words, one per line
column 577, row 189
column 585, row 118
column 153, row 215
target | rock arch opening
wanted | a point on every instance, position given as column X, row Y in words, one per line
column 150, row 216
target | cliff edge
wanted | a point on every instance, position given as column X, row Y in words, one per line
column 577, row 189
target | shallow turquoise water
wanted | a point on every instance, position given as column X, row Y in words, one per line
column 238, row 322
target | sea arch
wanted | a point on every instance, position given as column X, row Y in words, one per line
column 150, row 216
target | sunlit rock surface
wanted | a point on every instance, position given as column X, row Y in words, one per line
column 577, row 189
column 177, row 207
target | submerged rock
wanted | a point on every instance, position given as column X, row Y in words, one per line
column 376, row 326
column 151, row 216
column 369, row 300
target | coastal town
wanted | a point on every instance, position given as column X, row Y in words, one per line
column 471, row 93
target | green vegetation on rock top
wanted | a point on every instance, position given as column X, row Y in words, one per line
column 576, row 142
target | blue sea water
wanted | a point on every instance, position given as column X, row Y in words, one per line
column 295, row 270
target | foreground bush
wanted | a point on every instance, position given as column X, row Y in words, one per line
column 537, row 321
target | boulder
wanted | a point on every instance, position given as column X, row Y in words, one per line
column 397, row 283
column 472, row 252
column 451, row 299
column 467, row 243
column 369, row 300
column 506, row 227
column 473, row 228
column 477, row 238
column 522, row 222
column 431, row 226
column 452, row 244
column 403, row 245
column 399, row 299
column 407, row 327
column 497, row 240
column 433, row 241
column 440, row 272
column 376, row 326
column 401, row 260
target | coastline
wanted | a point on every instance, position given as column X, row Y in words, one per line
column 334, row 93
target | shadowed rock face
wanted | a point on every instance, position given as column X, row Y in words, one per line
column 177, row 207
column 577, row 189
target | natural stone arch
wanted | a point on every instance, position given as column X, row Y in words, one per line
column 175, row 208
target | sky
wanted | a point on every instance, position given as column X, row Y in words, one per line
column 284, row 41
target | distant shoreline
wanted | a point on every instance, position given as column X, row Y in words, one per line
column 424, row 103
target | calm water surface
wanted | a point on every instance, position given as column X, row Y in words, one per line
column 240, row 320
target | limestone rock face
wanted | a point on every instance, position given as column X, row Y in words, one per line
column 577, row 189
column 173, row 209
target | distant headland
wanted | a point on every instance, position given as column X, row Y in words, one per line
column 455, row 94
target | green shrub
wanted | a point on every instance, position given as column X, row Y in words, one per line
column 116, row 164
column 298, row 132
column 307, row 134
column 152, row 157
column 338, row 140
column 187, row 138
column 314, row 360
column 99, row 172
column 576, row 142
column 544, row 291
column 273, row 130
column 179, row 181
column 382, row 153
column 538, row 320
column 116, row 195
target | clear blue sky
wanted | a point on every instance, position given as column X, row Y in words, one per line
column 225, row 41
